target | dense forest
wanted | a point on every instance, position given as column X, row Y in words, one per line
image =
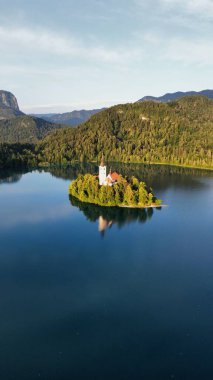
column 178, row 133
column 126, row 192
column 17, row 155
column 25, row 129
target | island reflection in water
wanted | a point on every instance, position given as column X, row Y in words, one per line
column 108, row 216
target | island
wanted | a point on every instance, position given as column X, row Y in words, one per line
column 112, row 190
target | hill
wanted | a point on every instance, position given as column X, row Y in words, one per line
column 25, row 129
column 73, row 118
column 17, row 155
column 16, row 127
column 178, row 132
column 177, row 95
column 7, row 99
column 9, row 113
column 8, row 106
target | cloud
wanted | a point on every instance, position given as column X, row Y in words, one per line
column 202, row 8
column 45, row 41
column 189, row 52
column 187, row 49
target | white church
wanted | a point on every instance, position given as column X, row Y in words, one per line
column 104, row 179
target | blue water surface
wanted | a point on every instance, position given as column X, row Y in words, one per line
column 90, row 294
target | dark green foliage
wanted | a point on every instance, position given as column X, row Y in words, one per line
column 125, row 192
column 25, row 130
column 17, row 155
column 179, row 133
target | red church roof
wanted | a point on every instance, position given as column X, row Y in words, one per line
column 114, row 176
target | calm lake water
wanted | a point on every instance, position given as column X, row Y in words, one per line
column 95, row 293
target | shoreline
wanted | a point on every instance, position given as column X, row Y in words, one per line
column 119, row 206
column 58, row 164
column 140, row 207
column 128, row 163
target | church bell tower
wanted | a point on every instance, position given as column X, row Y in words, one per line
column 102, row 172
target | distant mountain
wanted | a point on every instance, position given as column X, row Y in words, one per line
column 8, row 106
column 73, row 118
column 16, row 127
column 9, row 100
column 176, row 95
column 177, row 132
column 25, row 129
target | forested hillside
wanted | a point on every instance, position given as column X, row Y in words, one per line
column 178, row 132
column 12, row 155
column 25, row 129
column 8, row 113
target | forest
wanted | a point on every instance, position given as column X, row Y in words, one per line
column 178, row 133
column 126, row 192
column 24, row 129
column 17, row 155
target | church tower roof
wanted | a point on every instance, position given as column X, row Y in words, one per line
column 102, row 160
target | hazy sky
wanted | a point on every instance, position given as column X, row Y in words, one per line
column 60, row 55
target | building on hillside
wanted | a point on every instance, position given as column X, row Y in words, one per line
column 104, row 179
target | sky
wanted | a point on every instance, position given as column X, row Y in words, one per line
column 61, row 55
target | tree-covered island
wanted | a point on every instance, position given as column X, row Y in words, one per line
column 112, row 190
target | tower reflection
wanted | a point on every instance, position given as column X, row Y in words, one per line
column 109, row 216
column 103, row 224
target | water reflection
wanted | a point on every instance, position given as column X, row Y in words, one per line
column 158, row 177
column 103, row 224
column 109, row 216
column 11, row 179
column 11, row 175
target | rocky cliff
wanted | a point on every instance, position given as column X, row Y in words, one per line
column 7, row 99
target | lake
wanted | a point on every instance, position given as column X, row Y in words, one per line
column 97, row 293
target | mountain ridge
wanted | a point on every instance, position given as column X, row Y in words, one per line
column 8, row 106
column 9, row 100
column 177, row 95
column 72, row 118
column 16, row 127
column 175, row 133
column 25, row 129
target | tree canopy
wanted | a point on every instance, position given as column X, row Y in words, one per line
column 177, row 133
column 126, row 192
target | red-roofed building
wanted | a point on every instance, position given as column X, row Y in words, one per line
column 112, row 178
column 107, row 180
